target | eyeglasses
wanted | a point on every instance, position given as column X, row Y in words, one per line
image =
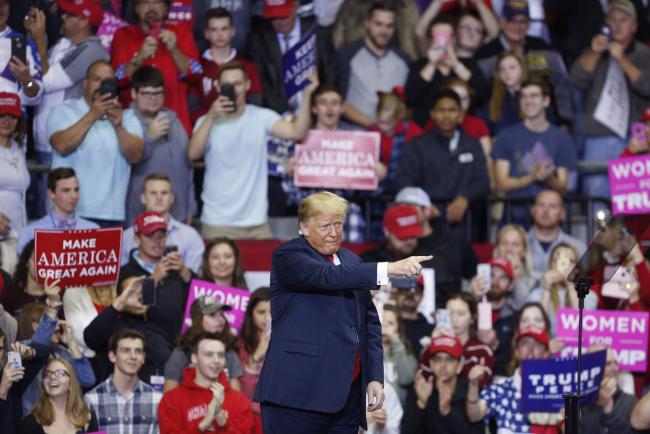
column 59, row 373
column 153, row 94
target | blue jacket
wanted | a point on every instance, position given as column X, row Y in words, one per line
column 321, row 314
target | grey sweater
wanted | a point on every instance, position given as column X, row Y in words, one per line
column 594, row 421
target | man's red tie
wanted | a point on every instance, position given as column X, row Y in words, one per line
column 357, row 360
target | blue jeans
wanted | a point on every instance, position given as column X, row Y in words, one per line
column 600, row 148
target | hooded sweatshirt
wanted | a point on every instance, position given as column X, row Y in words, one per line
column 181, row 409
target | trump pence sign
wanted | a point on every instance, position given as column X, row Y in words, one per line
column 338, row 159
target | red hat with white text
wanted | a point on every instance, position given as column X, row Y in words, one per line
column 10, row 104
column 403, row 221
column 536, row 333
column 149, row 222
column 504, row 264
column 277, row 8
column 442, row 344
column 88, row 9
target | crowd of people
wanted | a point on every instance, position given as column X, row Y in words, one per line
column 118, row 103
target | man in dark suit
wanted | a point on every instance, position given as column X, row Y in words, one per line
column 325, row 346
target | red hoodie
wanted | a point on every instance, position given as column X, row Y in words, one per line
column 181, row 409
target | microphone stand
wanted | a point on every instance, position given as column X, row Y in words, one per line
column 572, row 400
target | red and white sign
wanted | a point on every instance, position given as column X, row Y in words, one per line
column 338, row 159
column 88, row 257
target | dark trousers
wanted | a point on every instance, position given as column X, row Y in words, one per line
column 277, row 419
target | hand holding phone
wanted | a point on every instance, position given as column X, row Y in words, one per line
column 108, row 86
column 148, row 292
column 485, row 272
column 14, row 360
column 19, row 48
column 154, row 29
column 228, row 90
column 443, row 321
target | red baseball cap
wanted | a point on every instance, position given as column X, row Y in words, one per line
column 646, row 114
column 536, row 333
column 403, row 221
column 442, row 344
column 277, row 8
column 10, row 104
column 504, row 264
column 149, row 222
column 88, row 9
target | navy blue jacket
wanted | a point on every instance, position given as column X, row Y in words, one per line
column 321, row 314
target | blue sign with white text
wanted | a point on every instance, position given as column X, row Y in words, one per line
column 543, row 382
column 297, row 63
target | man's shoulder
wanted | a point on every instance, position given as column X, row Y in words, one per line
column 184, row 229
column 348, row 50
column 148, row 392
column 103, row 388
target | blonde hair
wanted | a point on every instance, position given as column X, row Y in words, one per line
column 499, row 89
column 393, row 103
column 528, row 257
column 94, row 296
column 553, row 293
column 75, row 408
column 321, row 203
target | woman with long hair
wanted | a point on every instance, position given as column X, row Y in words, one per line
column 253, row 343
column 222, row 263
column 503, row 106
column 400, row 363
column 207, row 315
column 60, row 408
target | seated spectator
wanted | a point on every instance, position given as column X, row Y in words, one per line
column 205, row 392
column 81, row 305
column 542, row 61
column 60, row 406
column 207, row 316
column 400, row 363
column 369, row 63
column 464, row 319
column 503, row 107
column 222, row 264
column 63, row 192
column 232, row 137
column 446, row 163
column 158, row 196
column 25, row 288
column 280, row 30
column 444, row 411
column 588, row 74
column 612, row 411
column 123, row 401
column 168, row 45
column 14, row 176
column 165, row 146
column 532, row 155
column 63, row 66
column 89, row 135
column 253, row 343
column 14, row 381
column 221, row 31
column 548, row 212
column 415, row 324
column 401, row 230
column 501, row 401
column 428, row 75
column 473, row 26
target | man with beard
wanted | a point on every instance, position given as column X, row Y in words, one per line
column 408, row 294
column 204, row 401
column 548, row 212
column 371, row 65
column 401, row 229
column 123, row 402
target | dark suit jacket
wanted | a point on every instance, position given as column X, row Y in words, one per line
column 264, row 49
column 321, row 314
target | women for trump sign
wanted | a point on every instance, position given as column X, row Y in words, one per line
column 236, row 298
column 629, row 180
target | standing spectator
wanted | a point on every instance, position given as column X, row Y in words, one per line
column 370, row 65
column 23, row 11
column 533, row 154
column 220, row 31
column 281, row 30
column 63, row 192
column 503, row 106
column 60, row 407
column 232, row 136
column 415, row 324
column 589, row 73
column 241, row 12
column 253, row 344
column 63, row 66
column 222, row 263
column 165, row 146
column 14, row 177
column 204, row 400
column 400, row 363
column 167, row 45
column 448, row 164
column 123, row 401
column 436, row 403
column 157, row 196
column 548, row 212
column 441, row 64
column 90, row 135
column 25, row 287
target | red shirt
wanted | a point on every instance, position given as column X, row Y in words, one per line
column 473, row 126
column 127, row 43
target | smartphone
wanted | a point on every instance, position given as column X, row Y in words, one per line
column 228, row 90
column 148, row 292
column 169, row 249
column 108, row 86
column 606, row 31
column 154, row 29
column 443, row 320
column 484, row 316
column 441, row 38
column 19, row 48
column 485, row 271
column 639, row 132
column 403, row 282
column 14, row 360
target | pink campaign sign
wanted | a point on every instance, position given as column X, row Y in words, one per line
column 624, row 331
column 233, row 297
column 338, row 159
column 629, row 180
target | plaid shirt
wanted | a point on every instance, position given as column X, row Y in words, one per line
column 136, row 415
